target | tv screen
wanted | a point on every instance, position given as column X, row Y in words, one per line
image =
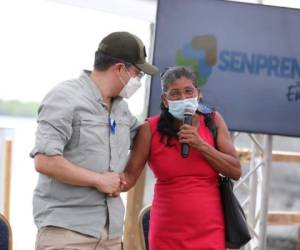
column 246, row 58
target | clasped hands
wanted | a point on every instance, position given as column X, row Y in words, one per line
column 111, row 183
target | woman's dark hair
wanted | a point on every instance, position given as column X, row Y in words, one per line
column 166, row 126
column 104, row 61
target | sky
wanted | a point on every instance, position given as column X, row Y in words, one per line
column 43, row 43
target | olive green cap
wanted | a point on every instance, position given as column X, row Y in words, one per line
column 129, row 48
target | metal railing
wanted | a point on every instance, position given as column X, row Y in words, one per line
column 257, row 182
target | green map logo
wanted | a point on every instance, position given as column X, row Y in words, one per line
column 201, row 55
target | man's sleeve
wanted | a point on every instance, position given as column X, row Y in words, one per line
column 54, row 124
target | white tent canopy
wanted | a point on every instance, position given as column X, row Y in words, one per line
column 141, row 9
column 146, row 9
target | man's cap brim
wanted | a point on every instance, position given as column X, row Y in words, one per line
column 148, row 68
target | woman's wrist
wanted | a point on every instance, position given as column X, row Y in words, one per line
column 202, row 146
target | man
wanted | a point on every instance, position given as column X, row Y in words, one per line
column 82, row 140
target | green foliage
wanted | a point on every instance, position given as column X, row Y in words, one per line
column 18, row 108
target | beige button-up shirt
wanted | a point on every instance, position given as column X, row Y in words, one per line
column 73, row 122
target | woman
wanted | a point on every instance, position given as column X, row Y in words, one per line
column 186, row 211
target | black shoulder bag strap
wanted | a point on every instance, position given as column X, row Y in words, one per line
column 210, row 123
column 236, row 229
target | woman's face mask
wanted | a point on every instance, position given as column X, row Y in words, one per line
column 131, row 87
column 177, row 108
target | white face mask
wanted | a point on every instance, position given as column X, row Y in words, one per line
column 177, row 108
column 131, row 87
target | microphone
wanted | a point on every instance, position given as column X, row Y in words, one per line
column 187, row 119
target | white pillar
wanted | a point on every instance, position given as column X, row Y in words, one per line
column 265, row 192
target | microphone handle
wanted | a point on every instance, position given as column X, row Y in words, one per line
column 185, row 150
column 184, row 146
column 188, row 118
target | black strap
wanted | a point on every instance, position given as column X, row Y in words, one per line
column 210, row 123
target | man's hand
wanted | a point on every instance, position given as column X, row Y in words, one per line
column 108, row 182
column 123, row 183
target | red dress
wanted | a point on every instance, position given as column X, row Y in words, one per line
column 186, row 212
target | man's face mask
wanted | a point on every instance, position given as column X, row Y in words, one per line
column 177, row 108
column 131, row 87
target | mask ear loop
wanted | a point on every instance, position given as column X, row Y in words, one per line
column 200, row 98
column 122, row 81
column 163, row 100
column 127, row 72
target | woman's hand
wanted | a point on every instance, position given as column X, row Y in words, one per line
column 224, row 159
column 189, row 134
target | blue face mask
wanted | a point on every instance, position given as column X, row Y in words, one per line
column 176, row 108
